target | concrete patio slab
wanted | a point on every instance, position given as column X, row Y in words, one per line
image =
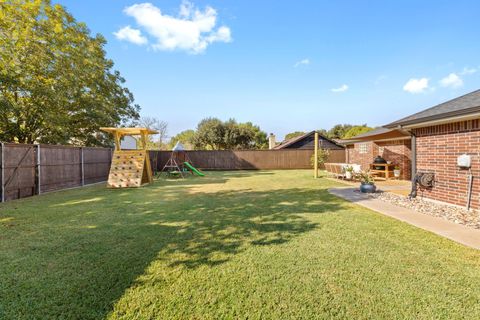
column 459, row 233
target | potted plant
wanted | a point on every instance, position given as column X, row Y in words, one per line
column 348, row 172
column 367, row 184
column 396, row 171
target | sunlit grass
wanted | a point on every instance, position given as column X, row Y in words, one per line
column 257, row 245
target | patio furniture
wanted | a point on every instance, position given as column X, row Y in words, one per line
column 337, row 170
column 386, row 173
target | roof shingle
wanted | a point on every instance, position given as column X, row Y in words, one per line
column 462, row 105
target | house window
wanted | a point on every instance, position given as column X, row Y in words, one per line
column 362, row 148
column 381, row 150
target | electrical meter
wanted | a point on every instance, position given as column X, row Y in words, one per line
column 464, row 161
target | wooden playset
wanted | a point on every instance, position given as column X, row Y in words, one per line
column 130, row 168
column 179, row 163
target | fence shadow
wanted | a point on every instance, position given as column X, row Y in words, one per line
column 82, row 254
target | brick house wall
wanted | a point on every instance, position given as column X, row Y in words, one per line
column 358, row 155
column 396, row 151
column 437, row 150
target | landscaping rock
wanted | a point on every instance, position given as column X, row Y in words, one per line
column 455, row 214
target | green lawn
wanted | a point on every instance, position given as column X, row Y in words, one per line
column 256, row 245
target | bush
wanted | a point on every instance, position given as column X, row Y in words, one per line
column 323, row 155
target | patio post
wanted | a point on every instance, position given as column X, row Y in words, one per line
column 414, row 157
column 82, row 166
column 38, row 167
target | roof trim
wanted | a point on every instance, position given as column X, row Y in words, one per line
column 434, row 122
column 446, row 116
column 296, row 139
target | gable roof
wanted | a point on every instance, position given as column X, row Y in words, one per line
column 463, row 105
column 291, row 141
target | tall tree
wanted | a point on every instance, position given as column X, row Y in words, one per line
column 209, row 135
column 294, row 134
column 338, row 131
column 257, row 139
column 157, row 141
column 356, row 130
column 56, row 85
column 213, row 134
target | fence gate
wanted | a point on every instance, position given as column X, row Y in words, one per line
column 18, row 166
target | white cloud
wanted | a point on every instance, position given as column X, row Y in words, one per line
column 131, row 35
column 305, row 62
column 192, row 30
column 416, row 85
column 342, row 88
column 467, row 70
column 452, row 81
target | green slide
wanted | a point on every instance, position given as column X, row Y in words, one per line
column 194, row 170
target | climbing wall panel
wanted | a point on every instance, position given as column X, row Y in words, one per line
column 128, row 169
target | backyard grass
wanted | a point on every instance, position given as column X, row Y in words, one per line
column 256, row 245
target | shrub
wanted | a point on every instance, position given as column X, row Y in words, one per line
column 323, row 155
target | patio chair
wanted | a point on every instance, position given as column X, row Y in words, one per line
column 338, row 171
column 328, row 168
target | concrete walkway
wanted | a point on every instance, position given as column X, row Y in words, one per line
column 459, row 233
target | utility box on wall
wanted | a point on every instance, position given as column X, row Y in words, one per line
column 464, row 161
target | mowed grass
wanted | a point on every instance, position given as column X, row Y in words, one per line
column 232, row 245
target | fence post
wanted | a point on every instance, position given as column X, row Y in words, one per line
column 38, row 169
column 2, row 175
column 315, row 164
column 82, row 166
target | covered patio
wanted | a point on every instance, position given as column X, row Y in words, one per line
column 392, row 145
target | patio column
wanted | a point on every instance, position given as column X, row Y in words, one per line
column 414, row 157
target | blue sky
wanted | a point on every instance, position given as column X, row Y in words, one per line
column 289, row 65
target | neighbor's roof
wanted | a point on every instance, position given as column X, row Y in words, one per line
column 129, row 131
column 463, row 105
column 291, row 141
column 381, row 133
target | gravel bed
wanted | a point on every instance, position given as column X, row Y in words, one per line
column 455, row 214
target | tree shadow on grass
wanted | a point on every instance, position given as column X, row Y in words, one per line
column 82, row 258
column 210, row 177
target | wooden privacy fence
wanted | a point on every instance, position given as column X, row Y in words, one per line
column 27, row 170
column 249, row 159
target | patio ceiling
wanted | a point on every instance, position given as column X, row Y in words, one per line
column 380, row 134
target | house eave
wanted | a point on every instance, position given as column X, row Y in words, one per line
column 434, row 122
